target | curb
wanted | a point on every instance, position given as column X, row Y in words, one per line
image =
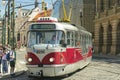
column 8, row 76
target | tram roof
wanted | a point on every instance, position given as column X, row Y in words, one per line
column 67, row 26
column 73, row 27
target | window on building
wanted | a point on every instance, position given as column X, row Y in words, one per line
column 111, row 3
column 118, row 2
column 102, row 5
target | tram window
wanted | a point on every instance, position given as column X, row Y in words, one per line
column 40, row 37
column 71, row 38
column 44, row 37
column 68, row 38
column 32, row 38
column 77, row 39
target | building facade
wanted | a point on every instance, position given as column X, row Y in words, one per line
column 107, row 27
column 20, row 26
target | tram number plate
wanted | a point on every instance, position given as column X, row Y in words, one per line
column 40, row 51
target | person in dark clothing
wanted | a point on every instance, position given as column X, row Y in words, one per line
column 12, row 61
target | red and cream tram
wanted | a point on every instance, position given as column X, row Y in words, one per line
column 56, row 48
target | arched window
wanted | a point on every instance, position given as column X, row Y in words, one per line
column 118, row 39
column 102, row 5
column 111, row 3
column 109, row 39
column 118, row 2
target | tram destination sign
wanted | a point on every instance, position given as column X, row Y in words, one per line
column 43, row 26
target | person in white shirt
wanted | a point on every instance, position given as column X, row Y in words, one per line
column 4, row 62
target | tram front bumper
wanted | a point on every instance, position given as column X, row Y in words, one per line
column 46, row 70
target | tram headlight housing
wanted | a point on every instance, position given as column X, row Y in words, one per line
column 29, row 59
column 51, row 59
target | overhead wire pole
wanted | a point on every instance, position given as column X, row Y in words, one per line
column 4, row 27
column 13, row 23
column 64, row 11
column 8, row 22
column 70, row 13
column 44, row 8
column 42, row 4
column 36, row 3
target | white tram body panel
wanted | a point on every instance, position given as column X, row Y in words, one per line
column 71, row 51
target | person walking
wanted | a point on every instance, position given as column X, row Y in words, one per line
column 12, row 61
column 4, row 62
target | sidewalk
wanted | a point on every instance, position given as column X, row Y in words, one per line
column 20, row 67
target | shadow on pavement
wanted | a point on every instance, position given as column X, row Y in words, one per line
column 107, row 58
column 9, row 77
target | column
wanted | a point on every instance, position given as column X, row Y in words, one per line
column 104, row 48
column 116, row 3
column 98, row 5
column 114, row 37
column 106, row 7
column 106, row 4
column 96, row 38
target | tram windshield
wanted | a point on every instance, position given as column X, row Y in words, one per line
column 44, row 37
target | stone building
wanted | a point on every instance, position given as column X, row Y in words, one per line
column 20, row 21
column 107, row 27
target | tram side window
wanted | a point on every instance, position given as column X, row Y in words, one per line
column 83, row 43
column 77, row 39
column 68, row 38
column 71, row 38
column 85, row 47
column 81, row 40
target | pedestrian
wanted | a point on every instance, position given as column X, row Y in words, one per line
column 12, row 61
column 4, row 62
column 1, row 51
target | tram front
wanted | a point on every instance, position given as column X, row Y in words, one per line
column 45, row 49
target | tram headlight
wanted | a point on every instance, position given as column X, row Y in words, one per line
column 51, row 59
column 29, row 59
